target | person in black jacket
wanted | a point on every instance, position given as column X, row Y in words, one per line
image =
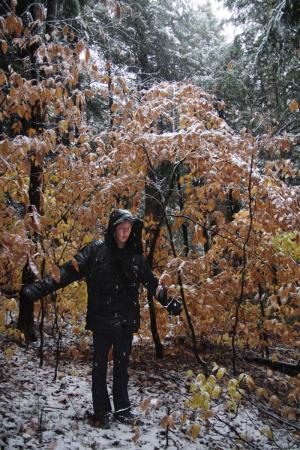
column 113, row 269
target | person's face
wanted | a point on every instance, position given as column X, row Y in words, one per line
column 122, row 233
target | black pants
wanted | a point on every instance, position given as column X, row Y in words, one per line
column 121, row 344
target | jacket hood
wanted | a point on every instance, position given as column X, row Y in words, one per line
column 134, row 243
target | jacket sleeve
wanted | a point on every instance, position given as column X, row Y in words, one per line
column 68, row 274
column 151, row 283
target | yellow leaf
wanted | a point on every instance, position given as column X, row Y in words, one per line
column 211, row 380
column 12, row 305
column 201, row 378
column 189, row 374
column 217, row 390
column 8, row 352
column 194, row 430
column 221, row 372
column 267, row 432
column 63, row 126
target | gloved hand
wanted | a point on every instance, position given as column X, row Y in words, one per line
column 25, row 293
column 174, row 307
column 162, row 295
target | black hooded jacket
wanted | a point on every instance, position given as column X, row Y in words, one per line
column 113, row 277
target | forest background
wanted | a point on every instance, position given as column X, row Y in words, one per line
column 144, row 105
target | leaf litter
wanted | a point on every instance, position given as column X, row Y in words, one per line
column 37, row 412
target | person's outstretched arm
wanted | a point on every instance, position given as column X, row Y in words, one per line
column 160, row 292
column 69, row 272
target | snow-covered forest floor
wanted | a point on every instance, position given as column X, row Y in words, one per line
column 38, row 412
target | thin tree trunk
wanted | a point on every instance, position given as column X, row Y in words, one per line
column 184, row 227
column 26, row 310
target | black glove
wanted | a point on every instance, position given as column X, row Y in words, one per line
column 25, row 293
column 162, row 295
column 174, row 307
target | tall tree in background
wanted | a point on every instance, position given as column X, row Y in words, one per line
column 157, row 39
column 261, row 80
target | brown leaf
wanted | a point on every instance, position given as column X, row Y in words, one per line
column 230, row 65
column 294, row 106
column 79, row 47
column 118, row 10
column 167, row 422
column 4, row 148
column 13, row 24
column 87, row 55
column 136, row 435
column 275, row 402
column 145, row 405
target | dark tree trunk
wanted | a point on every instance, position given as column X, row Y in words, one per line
column 26, row 316
column 23, row 6
column 51, row 15
column 153, row 208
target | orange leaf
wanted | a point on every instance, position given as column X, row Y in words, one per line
column 4, row 46
column 31, row 132
column 2, row 77
column 75, row 264
column 114, row 107
column 55, row 272
column 79, row 47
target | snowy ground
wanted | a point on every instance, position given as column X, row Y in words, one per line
column 40, row 413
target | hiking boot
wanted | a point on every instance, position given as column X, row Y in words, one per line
column 98, row 421
column 127, row 418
